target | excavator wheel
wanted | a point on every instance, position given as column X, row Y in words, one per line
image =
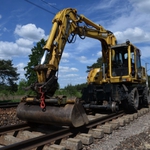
column 145, row 97
column 133, row 100
column 114, row 107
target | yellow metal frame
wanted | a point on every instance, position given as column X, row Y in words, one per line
column 67, row 22
column 64, row 23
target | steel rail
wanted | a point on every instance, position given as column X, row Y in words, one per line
column 39, row 141
column 104, row 119
column 9, row 105
column 17, row 127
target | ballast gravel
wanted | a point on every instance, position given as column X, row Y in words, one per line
column 8, row 117
column 134, row 136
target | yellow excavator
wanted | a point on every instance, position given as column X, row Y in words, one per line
column 119, row 82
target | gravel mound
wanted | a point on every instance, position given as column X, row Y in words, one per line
column 139, row 142
column 134, row 136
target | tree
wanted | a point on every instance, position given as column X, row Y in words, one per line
column 71, row 90
column 8, row 76
column 98, row 64
column 34, row 58
column 21, row 86
column 149, row 81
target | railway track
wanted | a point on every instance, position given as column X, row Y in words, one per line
column 9, row 104
column 33, row 136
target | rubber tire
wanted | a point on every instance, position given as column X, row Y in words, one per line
column 145, row 97
column 133, row 100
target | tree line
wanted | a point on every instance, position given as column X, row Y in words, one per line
column 9, row 85
column 9, row 76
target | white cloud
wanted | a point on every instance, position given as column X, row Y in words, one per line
column 72, row 79
column 30, row 31
column 85, row 60
column 11, row 49
column 103, row 5
column 70, row 75
column 73, row 69
column 67, row 69
column 22, row 46
column 7, row 49
column 24, row 42
column 135, row 35
column 65, row 55
column 145, row 52
column 82, row 59
column 82, row 46
column 5, row 29
column 135, row 14
column 141, row 5
column 0, row 16
column 20, row 69
column 99, row 54
column 65, row 60
column 87, row 44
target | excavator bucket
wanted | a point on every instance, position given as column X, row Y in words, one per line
column 67, row 115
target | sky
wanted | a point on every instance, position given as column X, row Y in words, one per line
column 22, row 25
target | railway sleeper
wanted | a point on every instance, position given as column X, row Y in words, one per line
column 80, row 140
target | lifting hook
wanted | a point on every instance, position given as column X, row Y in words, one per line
column 42, row 104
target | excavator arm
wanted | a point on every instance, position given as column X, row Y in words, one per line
column 68, row 23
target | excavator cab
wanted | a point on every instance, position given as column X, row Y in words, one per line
column 125, row 63
column 119, row 61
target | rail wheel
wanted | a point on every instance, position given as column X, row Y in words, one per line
column 145, row 97
column 133, row 100
column 114, row 107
